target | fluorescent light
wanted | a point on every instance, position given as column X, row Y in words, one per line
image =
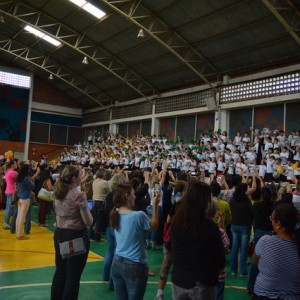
column 42, row 35
column 98, row 13
column 51, row 40
column 78, row 2
column 34, row 31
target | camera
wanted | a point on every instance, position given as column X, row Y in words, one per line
column 282, row 184
column 157, row 189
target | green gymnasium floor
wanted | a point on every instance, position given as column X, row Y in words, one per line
column 34, row 283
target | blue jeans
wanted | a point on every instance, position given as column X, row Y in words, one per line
column 27, row 226
column 240, row 242
column 152, row 235
column 66, row 279
column 219, row 290
column 130, row 279
column 8, row 208
column 109, row 256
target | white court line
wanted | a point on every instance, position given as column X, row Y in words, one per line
column 86, row 282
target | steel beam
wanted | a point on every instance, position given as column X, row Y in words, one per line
column 80, row 43
column 285, row 22
column 170, row 39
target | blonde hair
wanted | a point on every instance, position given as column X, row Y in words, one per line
column 153, row 181
column 117, row 179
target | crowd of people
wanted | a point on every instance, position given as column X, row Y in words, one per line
column 199, row 200
column 275, row 155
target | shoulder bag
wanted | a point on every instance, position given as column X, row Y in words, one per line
column 45, row 195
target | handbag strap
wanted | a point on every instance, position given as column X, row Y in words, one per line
column 44, row 184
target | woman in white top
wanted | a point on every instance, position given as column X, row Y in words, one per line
column 212, row 166
column 284, row 155
column 237, row 139
column 100, row 190
column 246, row 138
column 240, row 166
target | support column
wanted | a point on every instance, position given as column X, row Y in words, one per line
column 113, row 128
column 223, row 119
column 154, row 122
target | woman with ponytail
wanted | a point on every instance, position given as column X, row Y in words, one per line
column 72, row 219
column 278, row 257
column 129, row 269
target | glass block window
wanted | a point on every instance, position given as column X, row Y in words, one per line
column 15, row 79
column 283, row 84
column 180, row 102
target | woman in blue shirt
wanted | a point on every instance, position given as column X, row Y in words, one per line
column 25, row 186
column 129, row 269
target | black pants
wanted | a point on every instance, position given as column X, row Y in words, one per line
column 98, row 216
column 66, row 279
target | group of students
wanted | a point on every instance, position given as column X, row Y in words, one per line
column 271, row 151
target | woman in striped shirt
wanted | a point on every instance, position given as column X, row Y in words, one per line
column 278, row 257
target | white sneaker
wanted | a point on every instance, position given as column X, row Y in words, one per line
column 6, row 226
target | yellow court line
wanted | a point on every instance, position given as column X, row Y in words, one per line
column 37, row 251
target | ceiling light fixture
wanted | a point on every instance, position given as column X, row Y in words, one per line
column 141, row 33
column 85, row 61
column 98, row 13
column 50, row 77
column 42, row 35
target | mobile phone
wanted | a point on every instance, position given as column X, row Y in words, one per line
column 90, row 204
